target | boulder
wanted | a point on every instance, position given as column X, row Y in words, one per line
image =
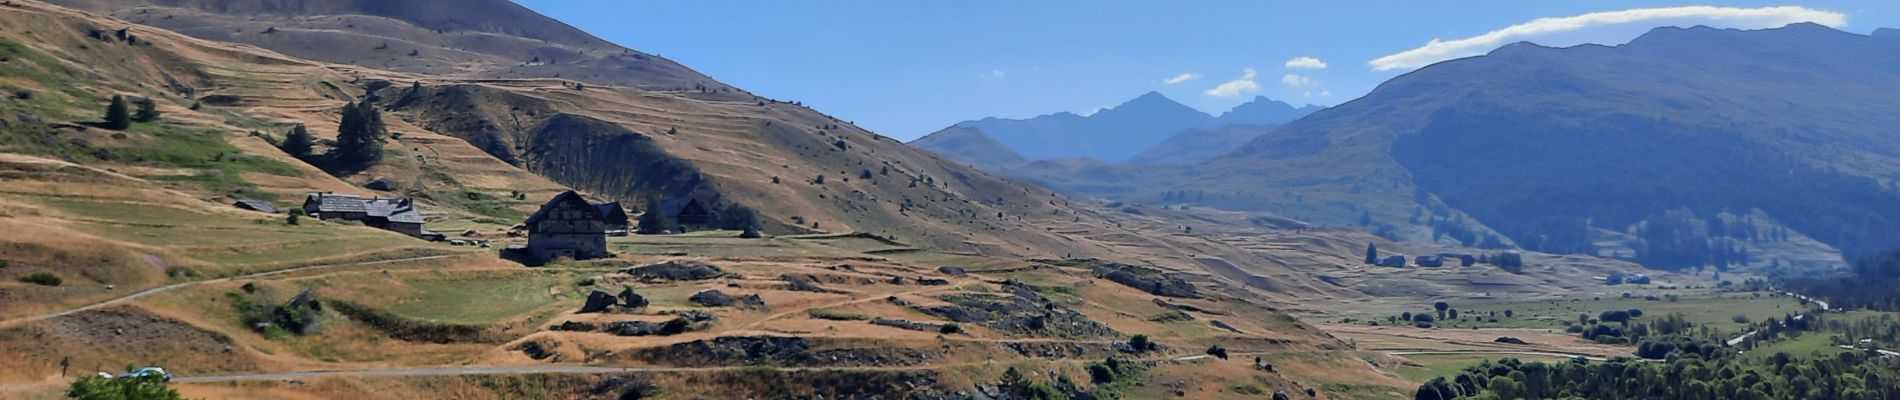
column 536, row 350
column 629, row 299
column 380, row 184
column 598, row 301
column 575, row 326
column 676, row 271
column 801, row 283
column 951, row 270
column 752, row 301
column 711, row 298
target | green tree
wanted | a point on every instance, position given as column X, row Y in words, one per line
column 298, row 142
column 654, row 220
column 118, row 117
column 1372, row 253
column 126, row 388
column 1441, row 307
column 359, row 138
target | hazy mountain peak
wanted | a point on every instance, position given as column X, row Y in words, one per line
column 1265, row 111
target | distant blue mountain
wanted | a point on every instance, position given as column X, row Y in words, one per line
column 1113, row 135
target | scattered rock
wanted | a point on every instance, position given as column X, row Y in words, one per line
column 907, row 324
column 1148, row 280
column 1223, row 325
column 673, row 326
column 711, row 298
column 778, row 351
column 1185, row 307
column 631, row 300
column 575, row 326
column 1019, row 315
column 676, row 271
column 380, row 184
column 536, row 350
column 1172, row 316
column 598, row 301
column 801, row 283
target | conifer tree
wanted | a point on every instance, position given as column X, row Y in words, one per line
column 118, row 117
column 654, row 220
column 359, row 138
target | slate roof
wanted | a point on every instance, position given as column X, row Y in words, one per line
column 674, row 206
column 257, row 205
column 396, row 210
column 613, row 213
column 337, row 203
column 564, row 196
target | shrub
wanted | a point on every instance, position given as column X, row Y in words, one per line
column 1217, row 351
column 149, row 387
column 5, row 263
column 950, row 328
column 43, row 279
column 298, row 316
column 147, row 110
column 1141, row 343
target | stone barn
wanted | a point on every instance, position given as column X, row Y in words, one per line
column 328, row 206
column 616, row 218
column 567, row 226
column 394, row 214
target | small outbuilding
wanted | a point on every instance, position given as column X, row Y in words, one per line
column 616, row 218
column 257, row 205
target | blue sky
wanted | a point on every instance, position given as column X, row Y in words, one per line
column 908, row 68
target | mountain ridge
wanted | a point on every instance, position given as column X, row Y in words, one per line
column 1112, row 135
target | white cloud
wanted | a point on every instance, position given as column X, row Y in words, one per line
column 1236, row 87
column 1720, row 17
column 1297, row 80
column 1183, row 77
column 993, row 74
column 1305, row 62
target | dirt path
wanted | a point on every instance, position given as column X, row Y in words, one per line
column 161, row 289
column 1504, row 352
